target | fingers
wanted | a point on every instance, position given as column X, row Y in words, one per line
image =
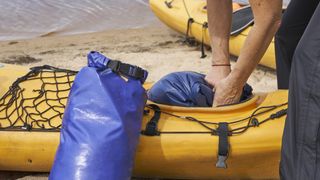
column 226, row 93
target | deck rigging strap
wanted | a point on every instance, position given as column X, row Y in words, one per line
column 223, row 150
column 152, row 125
column 188, row 39
column 251, row 120
column 222, row 128
column 204, row 27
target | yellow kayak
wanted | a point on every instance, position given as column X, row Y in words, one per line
column 177, row 14
column 183, row 143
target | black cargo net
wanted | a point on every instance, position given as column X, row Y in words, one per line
column 36, row 101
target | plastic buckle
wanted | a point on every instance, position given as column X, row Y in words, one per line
column 26, row 127
column 114, row 65
column 136, row 72
column 221, row 163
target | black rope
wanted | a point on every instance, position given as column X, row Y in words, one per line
column 188, row 39
column 252, row 121
column 185, row 7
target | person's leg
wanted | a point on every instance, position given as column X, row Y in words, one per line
column 300, row 155
column 294, row 22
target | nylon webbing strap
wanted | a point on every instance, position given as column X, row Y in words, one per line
column 223, row 145
column 152, row 126
column 128, row 70
column 189, row 39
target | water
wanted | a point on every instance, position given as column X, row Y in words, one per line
column 21, row 19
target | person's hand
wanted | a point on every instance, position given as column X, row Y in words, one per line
column 216, row 74
column 227, row 91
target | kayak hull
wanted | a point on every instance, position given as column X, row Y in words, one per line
column 253, row 154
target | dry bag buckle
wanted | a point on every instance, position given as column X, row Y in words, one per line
column 114, row 65
column 136, row 72
column 127, row 70
column 221, row 163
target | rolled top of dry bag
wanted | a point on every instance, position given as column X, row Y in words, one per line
column 101, row 62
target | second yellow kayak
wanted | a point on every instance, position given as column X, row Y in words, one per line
column 177, row 14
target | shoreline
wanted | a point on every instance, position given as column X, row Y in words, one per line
column 159, row 50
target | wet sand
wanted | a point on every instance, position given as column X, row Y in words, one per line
column 159, row 50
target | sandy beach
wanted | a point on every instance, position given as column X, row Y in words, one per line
column 159, row 50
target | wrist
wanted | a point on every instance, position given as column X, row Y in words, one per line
column 228, row 65
column 220, row 59
column 238, row 77
column 220, row 70
column 216, row 61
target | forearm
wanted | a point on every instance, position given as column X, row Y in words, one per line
column 254, row 48
column 258, row 40
column 219, row 21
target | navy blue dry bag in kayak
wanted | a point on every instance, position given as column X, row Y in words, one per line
column 187, row 89
column 101, row 123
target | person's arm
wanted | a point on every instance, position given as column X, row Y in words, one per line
column 219, row 21
column 267, row 17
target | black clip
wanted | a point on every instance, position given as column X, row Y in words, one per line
column 136, row 72
column 152, row 125
column 114, row 65
column 26, row 127
column 255, row 122
column 221, row 163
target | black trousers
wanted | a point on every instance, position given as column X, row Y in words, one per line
column 298, row 54
column 294, row 22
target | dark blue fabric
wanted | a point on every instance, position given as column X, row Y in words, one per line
column 101, row 125
column 188, row 89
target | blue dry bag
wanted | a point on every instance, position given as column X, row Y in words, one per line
column 188, row 89
column 101, row 123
